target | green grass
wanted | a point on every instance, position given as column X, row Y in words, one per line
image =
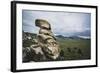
column 75, row 49
column 72, row 49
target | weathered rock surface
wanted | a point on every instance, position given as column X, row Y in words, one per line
column 40, row 47
column 43, row 24
column 47, row 40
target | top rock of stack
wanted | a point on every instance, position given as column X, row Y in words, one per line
column 43, row 24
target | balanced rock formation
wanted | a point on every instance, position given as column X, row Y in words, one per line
column 42, row 46
column 47, row 40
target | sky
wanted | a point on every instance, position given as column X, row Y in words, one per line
column 62, row 23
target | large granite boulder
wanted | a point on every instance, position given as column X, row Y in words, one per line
column 47, row 40
column 42, row 46
column 42, row 24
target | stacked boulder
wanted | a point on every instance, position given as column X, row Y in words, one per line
column 42, row 48
column 47, row 40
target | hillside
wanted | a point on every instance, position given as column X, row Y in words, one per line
column 73, row 47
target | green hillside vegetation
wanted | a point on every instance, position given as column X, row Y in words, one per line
column 75, row 49
column 71, row 49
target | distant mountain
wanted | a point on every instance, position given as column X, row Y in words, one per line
column 60, row 36
column 72, row 37
column 28, row 35
column 85, row 37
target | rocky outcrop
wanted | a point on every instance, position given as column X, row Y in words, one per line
column 44, row 47
column 47, row 40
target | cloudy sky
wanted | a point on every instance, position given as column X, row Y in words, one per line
column 62, row 23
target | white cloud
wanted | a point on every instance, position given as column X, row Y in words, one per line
column 61, row 22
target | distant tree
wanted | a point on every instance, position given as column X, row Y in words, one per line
column 79, row 52
column 61, row 55
column 69, row 50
